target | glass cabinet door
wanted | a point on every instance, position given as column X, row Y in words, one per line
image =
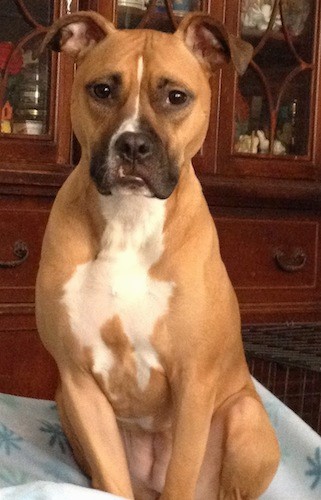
column 273, row 113
column 162, row 15
column 24, row 76
column 35, row 132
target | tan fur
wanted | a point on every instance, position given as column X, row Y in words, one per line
column 198, row 421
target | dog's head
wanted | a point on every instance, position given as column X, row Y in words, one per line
column 141, row 98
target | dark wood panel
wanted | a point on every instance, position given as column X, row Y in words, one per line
column 260, row 193
column 265, row 311
column 26, row 369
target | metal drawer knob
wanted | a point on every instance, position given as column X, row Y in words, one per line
column 21, row 251
column 292, row 262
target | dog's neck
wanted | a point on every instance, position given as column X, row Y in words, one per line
column 133, row 224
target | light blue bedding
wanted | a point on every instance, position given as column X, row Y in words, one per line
column 36, row 462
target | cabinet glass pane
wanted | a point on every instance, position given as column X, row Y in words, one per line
column 162, row 15
column 24, row 89
column 273, row 98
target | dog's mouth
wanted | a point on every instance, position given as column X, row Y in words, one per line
column 128, row 181
column 131, row 184
column 125, row 178
column 124, row 183
column 131, row 180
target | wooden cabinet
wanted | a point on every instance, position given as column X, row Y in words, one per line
column 263, row 182
column 263, row 189
column 35, row 146
column 25, row 367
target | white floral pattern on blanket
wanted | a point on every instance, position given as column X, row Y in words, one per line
column 34, row 448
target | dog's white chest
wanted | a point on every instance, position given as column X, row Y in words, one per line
column 117, row 284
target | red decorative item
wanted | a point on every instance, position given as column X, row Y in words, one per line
column 12, row 64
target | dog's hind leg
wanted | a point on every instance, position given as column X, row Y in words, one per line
column 251, row 451
column 242, row 451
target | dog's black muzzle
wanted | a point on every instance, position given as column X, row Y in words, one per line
column 137, row 161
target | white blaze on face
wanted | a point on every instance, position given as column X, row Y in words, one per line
column 140, row 70
column 131, row 124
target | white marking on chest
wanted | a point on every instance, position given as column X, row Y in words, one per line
column 117, row 282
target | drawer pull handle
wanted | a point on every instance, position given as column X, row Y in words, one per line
column 290, row 263
column 21, row 251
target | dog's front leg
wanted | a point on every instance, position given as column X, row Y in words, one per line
column 193, row 410
column 90, row 424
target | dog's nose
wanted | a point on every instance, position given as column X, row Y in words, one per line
column 134, row 146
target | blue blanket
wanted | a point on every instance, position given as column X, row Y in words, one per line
column 36, row 461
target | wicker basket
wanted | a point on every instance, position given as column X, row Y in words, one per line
column 286, row 359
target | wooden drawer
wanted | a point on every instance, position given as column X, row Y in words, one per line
column 21, row 232
column 269, row 253
column 273, row 265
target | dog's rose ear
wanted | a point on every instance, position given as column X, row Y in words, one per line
column 211, row 43
column 77, row 33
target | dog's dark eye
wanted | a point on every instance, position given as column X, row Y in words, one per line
column 101, row 90
column 177, row 97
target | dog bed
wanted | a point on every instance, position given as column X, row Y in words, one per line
column 36, row 461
